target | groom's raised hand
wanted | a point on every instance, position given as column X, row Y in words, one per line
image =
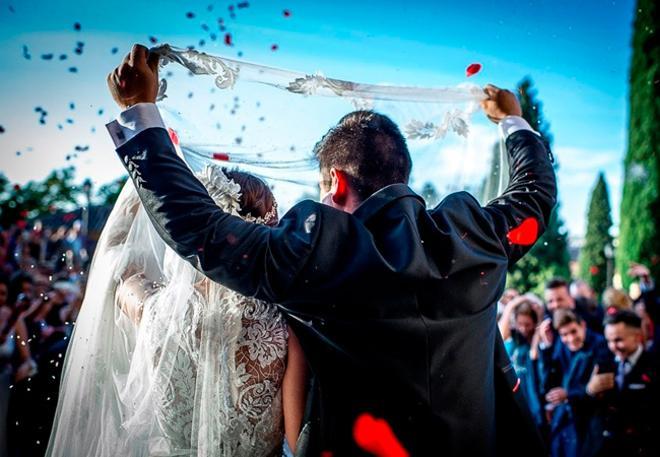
column 500, row 103
column 135, row 80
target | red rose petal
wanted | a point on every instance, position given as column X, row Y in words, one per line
column 228, row 40
column 376, row 436
column 472, row 69
column 223, row 156
column 646, row 378
column 173, row 136
column 525, row 234
column 593, row 270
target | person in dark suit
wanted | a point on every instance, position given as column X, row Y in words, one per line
column 629, row 397
column 394, row 305
column 565, row 371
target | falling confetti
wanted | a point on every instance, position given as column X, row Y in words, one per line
column 274, row 47
column 286, row 13
column 517, row 386
column 376, row 436
column 190, row 15
column 525, row 234
column 173, row 136
column 153, row 40
column 26, row 53
column 114, row 50
column 222, row 156
column 2, row 129
column 228, row 40
column 63, row 56
column 72, row 106
column 73, row 69
column 47, row 56
column 593, row 270
column 77, row 27
column 472, row 69
column 243, row 4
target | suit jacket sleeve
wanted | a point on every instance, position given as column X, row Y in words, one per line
column 252, row 259
column 531, row 193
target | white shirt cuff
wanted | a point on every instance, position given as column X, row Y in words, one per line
column 134, row 120
column 511, row 124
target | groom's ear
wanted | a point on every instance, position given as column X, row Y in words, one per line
column 339, row 189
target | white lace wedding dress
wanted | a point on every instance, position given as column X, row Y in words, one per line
column 163, row 361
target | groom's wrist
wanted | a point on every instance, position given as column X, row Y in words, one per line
column 512, row 124
column 134, row 120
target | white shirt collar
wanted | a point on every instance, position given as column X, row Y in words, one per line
column 634, row 357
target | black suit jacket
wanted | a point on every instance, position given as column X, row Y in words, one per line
column 631, row 419
column 394, row 305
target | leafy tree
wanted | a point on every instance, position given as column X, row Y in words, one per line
column 639, row 233
column 593, row 262
column 58, row 190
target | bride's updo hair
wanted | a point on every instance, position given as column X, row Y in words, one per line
column 256, row 199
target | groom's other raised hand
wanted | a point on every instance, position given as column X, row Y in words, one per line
column 135, row 80
column 500, row 103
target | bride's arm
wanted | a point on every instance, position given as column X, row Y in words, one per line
column 132, row 292
column 294, row 390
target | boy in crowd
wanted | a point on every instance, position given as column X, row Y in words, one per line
column 565, row 370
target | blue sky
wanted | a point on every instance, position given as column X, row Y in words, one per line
column 577, row 53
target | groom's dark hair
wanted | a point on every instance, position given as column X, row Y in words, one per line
column 369, row 148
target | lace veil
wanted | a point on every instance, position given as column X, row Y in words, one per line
column 268, row 120
column 165, row 377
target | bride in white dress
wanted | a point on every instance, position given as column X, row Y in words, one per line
column 165, row 362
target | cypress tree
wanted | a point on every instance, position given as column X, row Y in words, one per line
column 593, row 262
column 639, row 234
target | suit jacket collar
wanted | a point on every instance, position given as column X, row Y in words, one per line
column 383, row 198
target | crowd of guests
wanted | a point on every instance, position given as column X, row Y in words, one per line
column 588, row 368
column 41, row 284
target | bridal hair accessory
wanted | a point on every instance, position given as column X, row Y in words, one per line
column 226, row 193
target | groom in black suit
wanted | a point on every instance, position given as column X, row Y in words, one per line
column 394, row 304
